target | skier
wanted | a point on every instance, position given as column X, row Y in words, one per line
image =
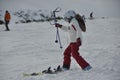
column 7, row 18
column 75, row 36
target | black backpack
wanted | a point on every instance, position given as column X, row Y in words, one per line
column 81, row 22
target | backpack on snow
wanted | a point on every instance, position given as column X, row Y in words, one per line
column 81, row 22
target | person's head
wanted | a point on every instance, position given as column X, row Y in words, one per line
column 69, row 15
column 6, row 11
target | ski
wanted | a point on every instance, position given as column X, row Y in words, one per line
column 47, row 71
column 32, row 74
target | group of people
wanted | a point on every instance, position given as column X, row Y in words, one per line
column 75, row 40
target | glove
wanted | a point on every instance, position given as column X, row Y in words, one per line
column 58, row 25
column 78, row 42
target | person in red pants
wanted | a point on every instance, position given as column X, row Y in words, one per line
column 75, row 37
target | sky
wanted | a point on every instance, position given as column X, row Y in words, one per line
column 107, row 8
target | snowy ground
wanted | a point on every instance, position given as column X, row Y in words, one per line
column 29, row 48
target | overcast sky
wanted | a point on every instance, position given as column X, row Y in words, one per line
column 107, row 8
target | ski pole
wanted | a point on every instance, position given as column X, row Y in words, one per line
column 59, row 38
column 57, row 32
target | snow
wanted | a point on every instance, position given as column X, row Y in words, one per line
column 29, row 48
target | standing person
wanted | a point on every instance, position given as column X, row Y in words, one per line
column 75, row 36
column 7, row 18
column 91, row 15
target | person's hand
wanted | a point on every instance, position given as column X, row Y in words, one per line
column 58, row 25
column 78, row 42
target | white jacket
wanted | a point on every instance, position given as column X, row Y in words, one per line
column 73, row 30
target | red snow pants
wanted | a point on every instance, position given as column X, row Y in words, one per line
column 72, row 50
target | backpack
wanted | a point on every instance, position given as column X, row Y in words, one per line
column 81, row 22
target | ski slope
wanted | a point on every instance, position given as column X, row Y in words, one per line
column 29, row 48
